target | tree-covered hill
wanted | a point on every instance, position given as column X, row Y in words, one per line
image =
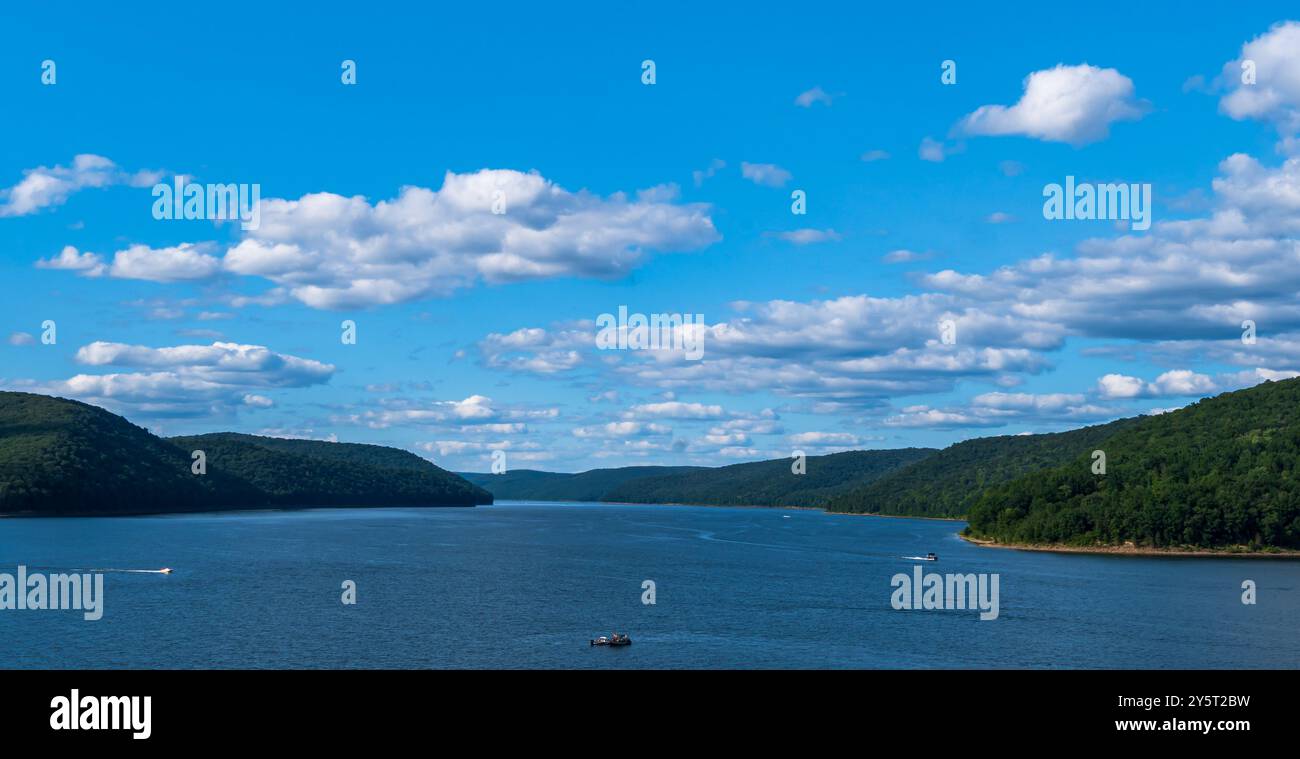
column 318, row 473
column 1222, row 472
column 592, row 485
column 769, row 483
column 60, row 456
column 758, row 483
column 949, row 483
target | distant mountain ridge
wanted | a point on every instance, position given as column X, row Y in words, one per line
column 755, row 483
column 592, row 485
column 64, row 457
column 771, row 483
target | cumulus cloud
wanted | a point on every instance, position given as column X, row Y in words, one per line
column 70, row 259
column 481, row 451
column 329, row 251
column 822, row 439
column 1190, row 282
column 854, row 348
column 1071, row 104
column 333, row 252
column 183, row 380
column 1275, row 94
column 997, row 409
column 765, row 174
column 1190, row 279
column 924, row 416
column 677, row 410
column 44, row 186
column 1177, row 382
column 474, row 411
column 621, row 430
column 178, row 263
column 537, row 350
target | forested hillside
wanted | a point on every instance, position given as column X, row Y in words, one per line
column 1222, row 472
column 59, row 456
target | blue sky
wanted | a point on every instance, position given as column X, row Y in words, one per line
column 475, row 330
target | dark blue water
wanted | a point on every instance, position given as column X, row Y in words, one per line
column 527, row 585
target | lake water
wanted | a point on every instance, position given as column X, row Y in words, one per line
column 528, row 584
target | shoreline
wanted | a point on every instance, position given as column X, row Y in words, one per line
column 1132, row 550
column 741, row 506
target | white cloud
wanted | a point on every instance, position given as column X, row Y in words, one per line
column 536, row 350
column 699, row 175
column 44, row 186
column 69, row 259
column 817, row 439
column 329, row 251
column 621, row 430
column 187, row 261
column 677, row 410
column 871, row 156
column 903, row 256
column 178, row 263
column 931, row 150
column 924, row 416
column 1193, row 279
column 183, row 380
column 809, row 236
column 765, row 174
column 1275, row 94
column 1072, row 104
column 474, row 411
column 1177, row 382
column 808, row 98
column 334, row 252
column 21, row 338
column 1120, row 386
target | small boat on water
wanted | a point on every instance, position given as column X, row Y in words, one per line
column 615, row 639
column 165, row 570
column 932, row 556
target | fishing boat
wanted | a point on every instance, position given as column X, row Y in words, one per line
column 614, row 639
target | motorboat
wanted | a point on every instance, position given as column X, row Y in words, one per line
column 614, row 639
